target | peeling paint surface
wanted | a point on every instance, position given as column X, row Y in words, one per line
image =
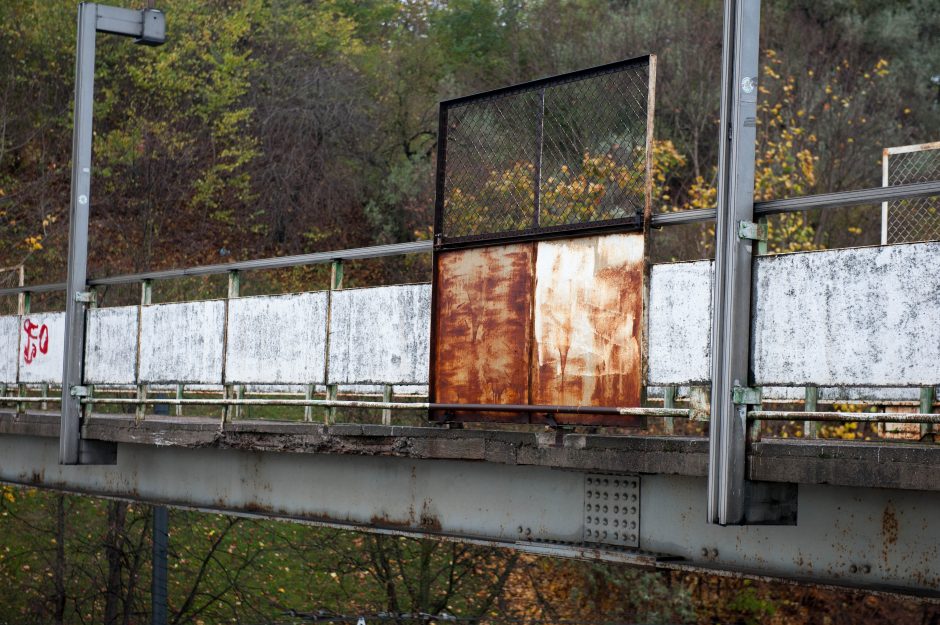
column 483, row 332
column 182, row 342
column 680, row 320
column 587, row 321
column 42, row 365
column 380, row 335
column 9, row 343
column 866, row 316
column 873, row 537
column 111, row 345
column 277, row 340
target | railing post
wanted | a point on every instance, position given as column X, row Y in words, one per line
column 21, row 298
column 336, row 284
column 387, row 398
column 734, row 232
column 308, row 395
column 179, row 395
column 926, row 407
column 23, row 309
column 810, row 405
column 669, row 401
column 146, row 298
column 231, row 390
column 92, row 303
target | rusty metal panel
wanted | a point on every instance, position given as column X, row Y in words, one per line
column 111, row 345
column 42, row 337
column 182, row 342
column 9, row 344
column 587, row 322
column 380, row 335
column 482, row 334
column 277, row 340
column 680, row 321
column 859, row 317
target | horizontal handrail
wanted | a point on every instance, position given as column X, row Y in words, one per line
column 333, row 403
column 843, row 417
column 838, row 199
column 761, row 209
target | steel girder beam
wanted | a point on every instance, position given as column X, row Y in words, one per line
column 871, row 538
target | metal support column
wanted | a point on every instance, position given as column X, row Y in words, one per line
column 734, row 234
column 70, row 434
column 147, row 27
column 158, row 580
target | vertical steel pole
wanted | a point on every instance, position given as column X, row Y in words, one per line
column 70, row 434
column 731, row 298
column 158, row 580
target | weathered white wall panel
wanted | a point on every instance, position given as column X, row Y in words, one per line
column 111, row 345
column 9, row 344
column 42, row 362
column 680, row 323
column 182, row 342
column 277, row 340
column 380, row 335
column 868, row 316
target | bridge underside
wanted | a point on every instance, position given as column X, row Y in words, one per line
column 633, row 499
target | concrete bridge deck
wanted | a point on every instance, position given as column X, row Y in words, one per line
column 908, row 466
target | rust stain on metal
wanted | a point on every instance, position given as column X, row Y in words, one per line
column 482, row 334
column 587, row 323
column 889, row 531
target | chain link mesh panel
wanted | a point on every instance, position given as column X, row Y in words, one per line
column 914, row 219
column 560, row 154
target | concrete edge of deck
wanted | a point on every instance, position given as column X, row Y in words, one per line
column 843, row 463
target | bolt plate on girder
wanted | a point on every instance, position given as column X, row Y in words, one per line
column 612, row 509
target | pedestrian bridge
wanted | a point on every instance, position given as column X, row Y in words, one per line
column 549, row 390
column 312, row 407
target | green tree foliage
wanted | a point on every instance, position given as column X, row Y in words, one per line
column 284, row 126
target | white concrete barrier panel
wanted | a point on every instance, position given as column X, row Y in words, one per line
column 680, row 318
column 182, row 342
column 380, row 335
column 9, row 346
column 865, row 316
column 111, row 345
column 277, row 340
column 42, row 340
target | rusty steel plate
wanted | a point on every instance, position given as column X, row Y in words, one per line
column 588, row 316
column 482, row 329
column 551, row 323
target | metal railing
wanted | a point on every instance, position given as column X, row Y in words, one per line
column 336, row 258
column 766, row 208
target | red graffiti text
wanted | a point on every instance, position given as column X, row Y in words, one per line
column 37, row 338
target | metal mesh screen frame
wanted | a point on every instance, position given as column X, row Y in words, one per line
column 560, row 156
column 918, row 219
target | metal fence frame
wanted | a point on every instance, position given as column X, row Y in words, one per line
column 887, row 153
column 536, row 231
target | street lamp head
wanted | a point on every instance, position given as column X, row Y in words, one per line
column 153, row 32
